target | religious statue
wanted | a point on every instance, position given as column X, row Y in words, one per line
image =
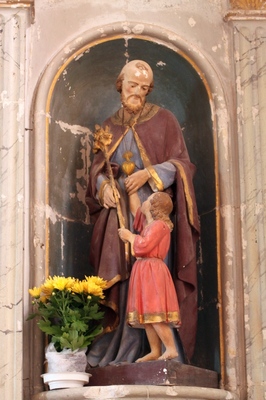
column 144, row 152
column 152, row 300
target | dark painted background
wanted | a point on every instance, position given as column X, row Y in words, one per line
column 85, row 95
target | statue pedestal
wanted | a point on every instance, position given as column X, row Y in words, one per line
column 165, row 372
column 153, row 380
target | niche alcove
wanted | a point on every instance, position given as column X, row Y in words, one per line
column 83, row 94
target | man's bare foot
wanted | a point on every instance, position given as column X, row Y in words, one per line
column 168, row 355
column 148, row 357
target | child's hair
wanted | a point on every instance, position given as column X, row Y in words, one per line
column 161, row 208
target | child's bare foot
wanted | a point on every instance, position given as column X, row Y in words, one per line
column 168, row 355
column 149, row 357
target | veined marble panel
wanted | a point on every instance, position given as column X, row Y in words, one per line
column 13, row 25
column 250, row 61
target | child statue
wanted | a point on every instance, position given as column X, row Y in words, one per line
column 152, row 300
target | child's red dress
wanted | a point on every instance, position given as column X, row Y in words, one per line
column 152, row 297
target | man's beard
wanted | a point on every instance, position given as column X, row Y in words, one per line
column 132, row 108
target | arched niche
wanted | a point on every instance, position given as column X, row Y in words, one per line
column 76, row 92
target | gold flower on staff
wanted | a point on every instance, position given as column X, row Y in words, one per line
column 102, row 138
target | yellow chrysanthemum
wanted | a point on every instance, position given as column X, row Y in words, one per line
column 92, row 288
column 48, row 287
column 35, row 292
column 77, row 287
column 43, row 299
column 62, row 283
column 97, row 280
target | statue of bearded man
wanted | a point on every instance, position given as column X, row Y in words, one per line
column 149, row 139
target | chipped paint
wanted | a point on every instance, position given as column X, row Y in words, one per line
column 62, row 243
column 37, row 242
column 172, row 37
column 230, row 326
column 227, row 54
column 4, row 99
column 126, row 28
column 50, row 214
column 75, row 129
column 138, row 29
column 68, row 49
column 259, row 208
column 215, row 48
column 226, row 213
column 160, row 64
column 20, row 199
column 78, row 40
column 191, row 22
column 246, row 295
column 19, row 326
column 79, row 57
column 239, row 85
column 246, row 319
column 255, row 114
column 54, row 216
column 222, row 115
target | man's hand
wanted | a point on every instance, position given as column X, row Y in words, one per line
column 136, row 181
column 108, row 197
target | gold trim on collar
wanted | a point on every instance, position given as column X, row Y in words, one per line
column 117, row 143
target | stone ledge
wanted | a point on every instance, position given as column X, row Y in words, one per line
column 132, row 392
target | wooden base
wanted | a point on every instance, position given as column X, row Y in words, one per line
column 161, row 372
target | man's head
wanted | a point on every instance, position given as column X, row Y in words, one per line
column 134, row 82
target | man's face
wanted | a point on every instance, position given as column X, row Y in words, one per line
column 135, row 87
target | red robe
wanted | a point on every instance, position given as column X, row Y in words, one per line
column 161, row 139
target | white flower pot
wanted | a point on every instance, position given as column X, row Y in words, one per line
column 59, row 380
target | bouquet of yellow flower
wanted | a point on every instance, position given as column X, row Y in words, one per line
column 68, row 310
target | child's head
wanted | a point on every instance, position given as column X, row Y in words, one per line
column 161, row 207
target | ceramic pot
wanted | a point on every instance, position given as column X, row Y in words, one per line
column 63, row 380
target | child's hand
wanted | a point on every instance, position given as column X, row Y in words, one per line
column 124, row 234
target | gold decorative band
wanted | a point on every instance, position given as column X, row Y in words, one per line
column 171, row 317
column 16, row 4
column 248, row 4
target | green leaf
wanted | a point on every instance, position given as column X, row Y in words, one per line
column 79, row 326
column 32, row 316
column 46, row 327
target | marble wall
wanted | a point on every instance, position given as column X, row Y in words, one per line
column 250, row 65
column 13, row 26
column 226, row 41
